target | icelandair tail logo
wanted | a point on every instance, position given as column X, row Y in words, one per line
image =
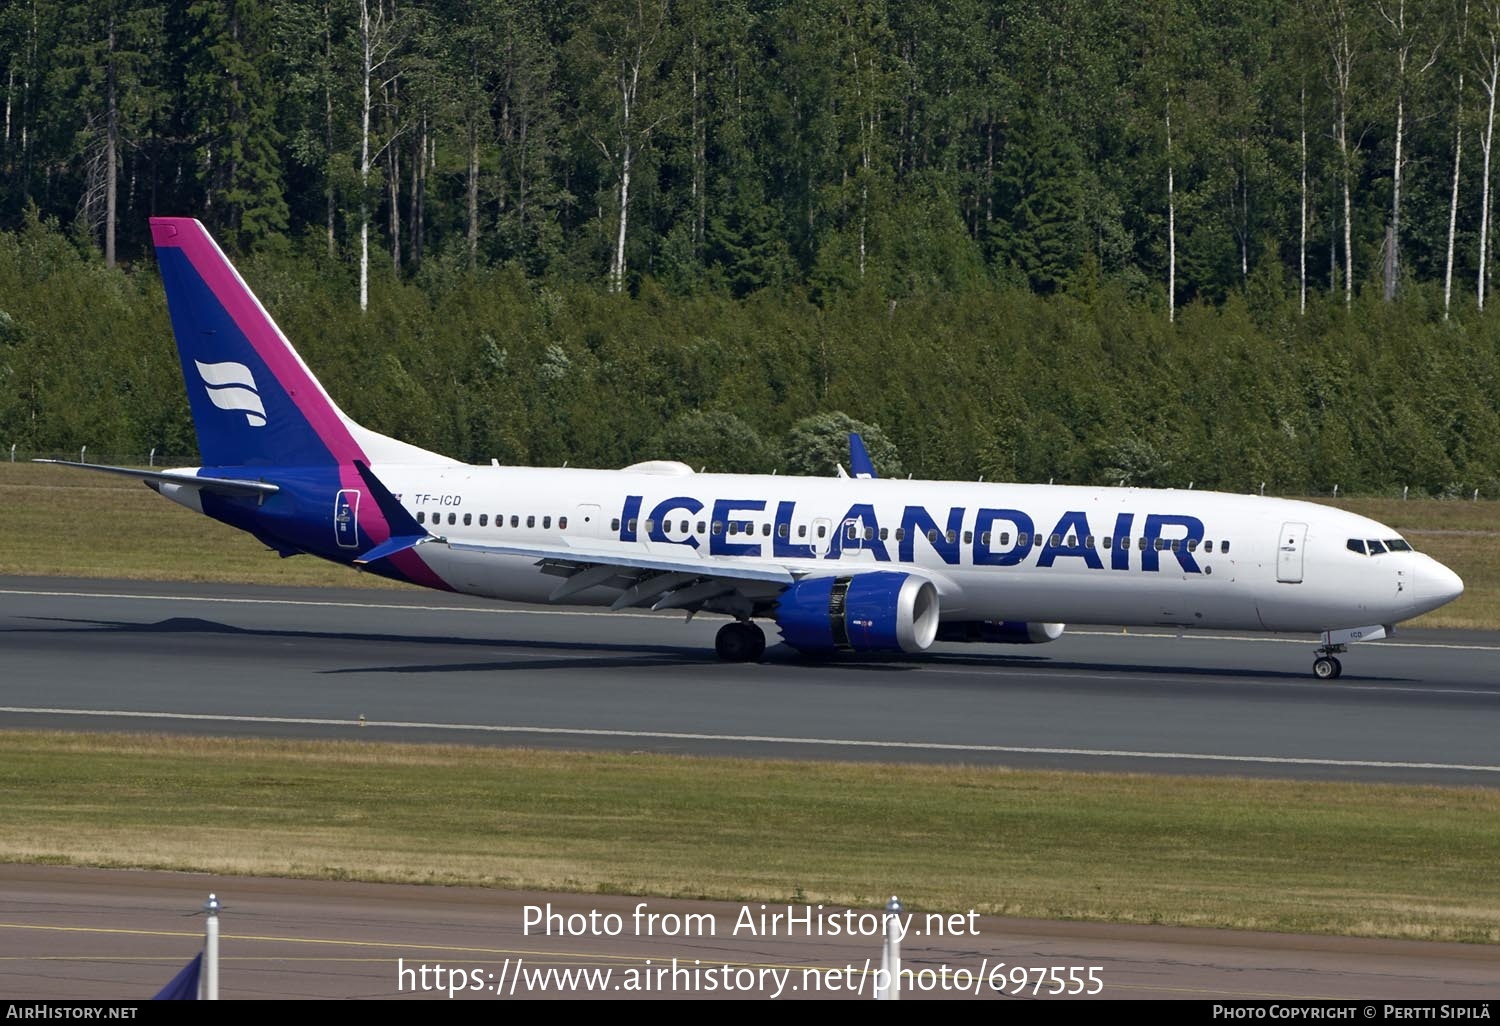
column 231, row 386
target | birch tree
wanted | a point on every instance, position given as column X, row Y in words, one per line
column 379, row 38
column 1458, row 152
column 1404, row 34
column 630, row 44
column 1339, row 37
column 1489, row 81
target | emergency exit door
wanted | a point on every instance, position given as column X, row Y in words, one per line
column 1289, row 553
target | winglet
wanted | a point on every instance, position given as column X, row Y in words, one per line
column 859, row 459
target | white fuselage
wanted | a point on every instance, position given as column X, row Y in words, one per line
column 1129, row 556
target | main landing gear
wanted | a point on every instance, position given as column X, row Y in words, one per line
column 1326, row 666
column 740, row 642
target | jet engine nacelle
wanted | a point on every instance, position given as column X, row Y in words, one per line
column 1000, row 632
column 883, row 611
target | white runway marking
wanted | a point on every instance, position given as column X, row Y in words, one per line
column 651, row 735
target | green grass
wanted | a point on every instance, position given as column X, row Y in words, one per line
column 1372, row 860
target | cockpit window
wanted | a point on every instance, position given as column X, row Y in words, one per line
column 1355, row 545
column 1376, row 548
column 1397, row 545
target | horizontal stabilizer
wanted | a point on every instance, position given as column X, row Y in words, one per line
column 401, row 523
column 391, row 546
column 218, row 485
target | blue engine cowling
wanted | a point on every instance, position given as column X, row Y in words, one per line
column 875, row 612
column 1000, row 632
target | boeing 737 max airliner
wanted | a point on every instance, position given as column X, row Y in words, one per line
column 847, row 564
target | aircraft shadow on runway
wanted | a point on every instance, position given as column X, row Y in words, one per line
column 626, row 655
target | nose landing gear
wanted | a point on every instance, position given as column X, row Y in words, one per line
column 1326, row 666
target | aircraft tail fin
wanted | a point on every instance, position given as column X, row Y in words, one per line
column 254, row 402
column 859, row 458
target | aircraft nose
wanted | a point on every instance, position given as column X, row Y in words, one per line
column 1436, row 584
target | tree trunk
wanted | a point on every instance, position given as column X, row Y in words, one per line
column 1171, row 226
column 1484, row 205
column 617, row 271
column 1458, row 152
column 1393, row 252
column 111, row 151
column 473, row 235
column 1302, row 238
column 366, row 44
column 328, row 120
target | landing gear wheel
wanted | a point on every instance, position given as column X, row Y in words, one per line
column 740, row 642
column 1327, row 668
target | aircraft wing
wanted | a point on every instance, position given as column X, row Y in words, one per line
column 658, row 580
column 220, row 485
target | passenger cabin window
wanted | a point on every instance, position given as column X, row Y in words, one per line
column 851, row 532
column 984, row 538
column 562, row 523
column 1142, row 545
column 468, row 519
column 765, row 530
column 900, row 534
column 421, row 517
column 884, row 533
column 484, row 520
column 702, row 527
column 952, row 537
column 452, row 519
column 801, row 530
column 650, row 525
column 822, row 530
column 547, row 523
column 531, row 522
column 1224, row 545
column 718, row 527
column 1208, row 546
column 782, row 530
column 1192, row 545
column 1023, row 539
column 1356, row 545
column 614, row 525
column 1004, row 537
column 968, row 537
column 515, row 521
column 1056, row 540
column 932, row 536
column 1109, row 541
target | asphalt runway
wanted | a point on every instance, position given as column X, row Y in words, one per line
column 416, row 665
column 79, row 935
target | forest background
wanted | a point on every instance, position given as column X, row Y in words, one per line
column 1222, row 244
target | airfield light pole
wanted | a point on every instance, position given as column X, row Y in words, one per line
column 890, row 957
column 211, row 950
